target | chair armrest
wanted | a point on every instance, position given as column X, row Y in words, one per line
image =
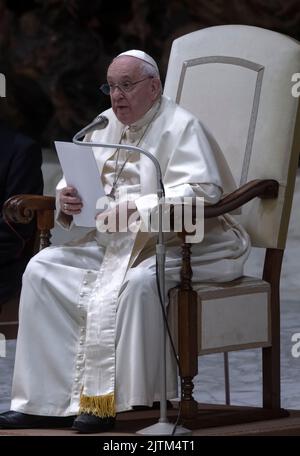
column 23, row 208
column 262, row 188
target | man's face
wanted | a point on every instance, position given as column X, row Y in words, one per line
column 131, row 106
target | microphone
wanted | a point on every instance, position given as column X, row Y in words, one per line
column 100, row 122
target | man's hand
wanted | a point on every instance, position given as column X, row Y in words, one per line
column 70, row 202
column 118, row 218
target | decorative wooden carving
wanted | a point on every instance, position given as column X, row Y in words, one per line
column 187, row 334
column 23, row 208
column 186, row 269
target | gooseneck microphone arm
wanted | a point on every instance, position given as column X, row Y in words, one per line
column 101, row 122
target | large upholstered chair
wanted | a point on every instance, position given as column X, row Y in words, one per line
column 237, row 80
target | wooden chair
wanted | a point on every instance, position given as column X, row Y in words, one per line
column 237, row 80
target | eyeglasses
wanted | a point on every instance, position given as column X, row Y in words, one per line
column 126, row 87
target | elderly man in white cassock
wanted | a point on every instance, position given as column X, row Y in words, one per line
column 89, row 342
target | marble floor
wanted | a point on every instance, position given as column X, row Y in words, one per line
column 245, row 366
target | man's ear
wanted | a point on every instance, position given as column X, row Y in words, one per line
column 155, row 87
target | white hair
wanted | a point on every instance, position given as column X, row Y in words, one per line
column 148, row 70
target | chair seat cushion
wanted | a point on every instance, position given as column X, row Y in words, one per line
column 230, row 316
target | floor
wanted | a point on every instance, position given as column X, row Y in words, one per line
column 132, row 423
column 245, row 367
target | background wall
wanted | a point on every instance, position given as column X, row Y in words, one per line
column 54, row 53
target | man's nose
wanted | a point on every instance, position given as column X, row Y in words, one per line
column 117, row 93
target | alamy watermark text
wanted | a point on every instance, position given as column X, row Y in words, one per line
column 2, row 85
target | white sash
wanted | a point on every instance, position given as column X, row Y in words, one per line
column 100, row 363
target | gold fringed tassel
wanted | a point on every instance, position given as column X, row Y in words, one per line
column 102, row 406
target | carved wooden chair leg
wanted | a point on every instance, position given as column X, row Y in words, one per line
column 187, row 330
column 271, row 355
column 45, row 222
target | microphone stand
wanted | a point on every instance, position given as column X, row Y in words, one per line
column 163, row 426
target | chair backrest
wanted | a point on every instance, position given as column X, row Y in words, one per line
column 238, row 81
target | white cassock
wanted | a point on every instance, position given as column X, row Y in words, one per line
column 90, row 320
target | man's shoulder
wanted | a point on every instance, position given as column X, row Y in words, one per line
column 176, row 112
column 174, row 107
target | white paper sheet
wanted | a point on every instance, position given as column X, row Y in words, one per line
column 81, row 172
